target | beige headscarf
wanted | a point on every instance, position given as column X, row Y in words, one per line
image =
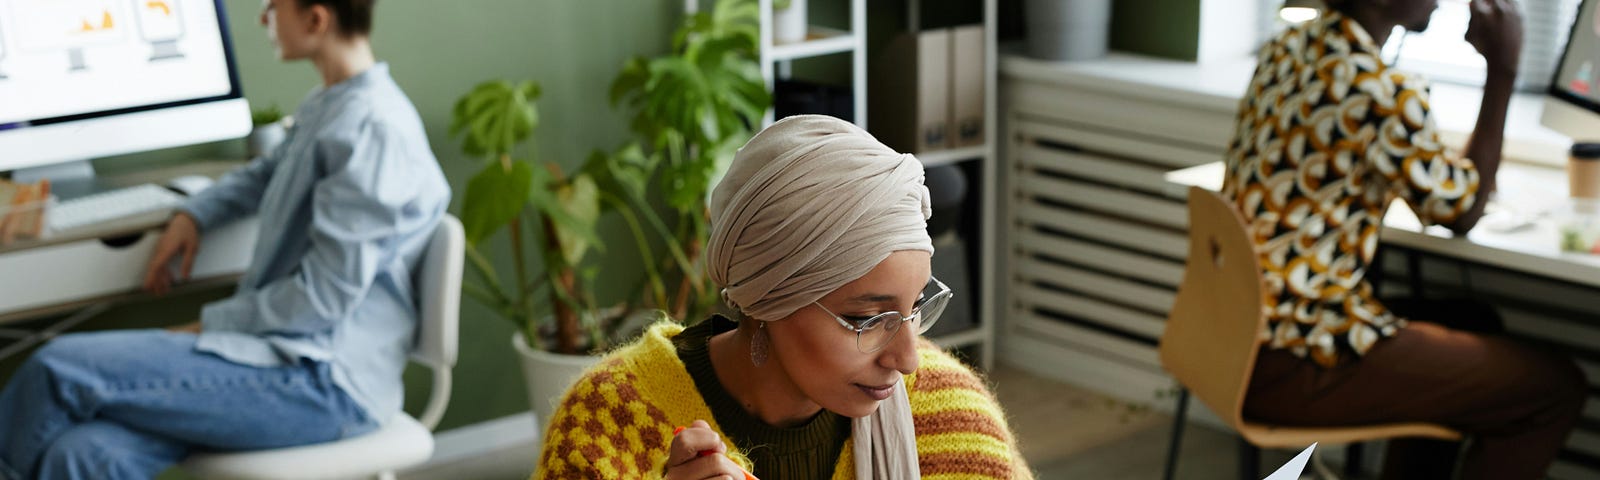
column 808, row 205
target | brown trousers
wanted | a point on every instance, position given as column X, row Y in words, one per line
column 1515, row 403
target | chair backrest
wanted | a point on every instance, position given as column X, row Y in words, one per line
column 439, row 288
column 438, row 285
column 1213, row 332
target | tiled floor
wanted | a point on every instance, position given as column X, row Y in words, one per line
column 1067, row 432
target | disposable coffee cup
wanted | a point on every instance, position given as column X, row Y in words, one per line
column 1583, row 170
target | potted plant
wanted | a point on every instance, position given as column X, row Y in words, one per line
column 269, row 129
column 551, row 216
column 691, row 111
column 788, row 21
column 683, row 103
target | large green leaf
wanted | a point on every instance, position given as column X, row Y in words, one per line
column 581, row 200
column 630, row 82
column 495, row 196
column 495, row 116
column 625, row 173
column 570, row 212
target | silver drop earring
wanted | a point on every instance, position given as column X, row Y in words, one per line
column 758, row 344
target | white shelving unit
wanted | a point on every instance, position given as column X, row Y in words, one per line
column 775, row 64
column 953, row 156
column 820, row 41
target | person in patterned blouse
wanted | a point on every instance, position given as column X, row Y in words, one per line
column 1327, row 136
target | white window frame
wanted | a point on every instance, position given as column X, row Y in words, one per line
column 1442, row 54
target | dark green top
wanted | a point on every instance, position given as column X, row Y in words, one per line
column 806, row 451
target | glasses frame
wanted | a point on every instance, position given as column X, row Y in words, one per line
column 874, row 321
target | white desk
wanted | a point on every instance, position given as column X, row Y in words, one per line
column 1502, row 239
column 68, row 272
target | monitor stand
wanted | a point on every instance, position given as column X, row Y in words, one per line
column 68, row 180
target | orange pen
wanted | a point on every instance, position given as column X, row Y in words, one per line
column 747, row 475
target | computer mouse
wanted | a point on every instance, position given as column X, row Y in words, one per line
column 190, row 184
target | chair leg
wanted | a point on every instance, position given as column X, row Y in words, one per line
column 1249, row 460
column 1352, row 460
column 1179, row 417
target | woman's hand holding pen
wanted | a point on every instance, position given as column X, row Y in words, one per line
column 697, row 453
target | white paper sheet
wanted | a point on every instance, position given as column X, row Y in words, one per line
column 1296, row 465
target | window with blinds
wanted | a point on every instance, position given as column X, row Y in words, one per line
column 1443, row 54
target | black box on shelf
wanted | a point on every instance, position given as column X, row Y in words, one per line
column 950, row 266
column 952, row 257
column 798, row 97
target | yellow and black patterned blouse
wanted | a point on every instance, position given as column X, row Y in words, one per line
column 1327, row 137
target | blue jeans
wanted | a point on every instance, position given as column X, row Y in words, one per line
column 129, row 404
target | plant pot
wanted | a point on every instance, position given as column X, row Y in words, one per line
column 789, row 24
column 1068, row 29
column 264, row 138
column 547, row 375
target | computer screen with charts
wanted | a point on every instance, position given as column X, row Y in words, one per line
column 1573, row 107
column 81, row 79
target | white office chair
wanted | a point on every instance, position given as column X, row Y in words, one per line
column 402, row 442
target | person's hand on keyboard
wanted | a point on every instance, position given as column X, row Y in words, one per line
column 180, row 237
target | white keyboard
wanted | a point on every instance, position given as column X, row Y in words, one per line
column 143, row 203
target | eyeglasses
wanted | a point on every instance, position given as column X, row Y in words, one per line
column 875, row 332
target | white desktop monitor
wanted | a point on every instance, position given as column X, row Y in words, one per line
column 1573, row 104
column 82, row 79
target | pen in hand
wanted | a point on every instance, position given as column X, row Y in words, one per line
column 704, row 453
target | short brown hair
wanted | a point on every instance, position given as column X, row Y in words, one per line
column 355, row 16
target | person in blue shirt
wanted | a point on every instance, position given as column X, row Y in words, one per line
column 311, row 346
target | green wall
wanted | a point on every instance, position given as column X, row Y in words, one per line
column 1163, row 28
column 437, row 51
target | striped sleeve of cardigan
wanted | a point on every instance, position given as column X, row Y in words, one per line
column 961, row 429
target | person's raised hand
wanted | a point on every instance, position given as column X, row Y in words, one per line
column 1495, row 31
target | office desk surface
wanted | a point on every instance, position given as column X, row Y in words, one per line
column 109, row 230
column 62, row 273
column 1518, row 233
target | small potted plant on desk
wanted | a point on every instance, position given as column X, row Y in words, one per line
column 789, row 21
column 270, row 127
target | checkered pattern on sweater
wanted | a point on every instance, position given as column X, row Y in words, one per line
column 616, row 422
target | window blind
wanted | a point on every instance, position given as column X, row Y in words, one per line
column 1443, row 55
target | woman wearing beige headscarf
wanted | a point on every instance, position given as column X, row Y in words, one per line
column 819, row 241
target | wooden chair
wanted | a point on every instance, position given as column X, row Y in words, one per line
column 1215, row 331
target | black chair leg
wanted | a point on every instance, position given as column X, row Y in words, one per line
column 1352, row 460
column 1179, row 417
column 1249, row 460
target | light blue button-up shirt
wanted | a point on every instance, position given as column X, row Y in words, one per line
column 347, row 205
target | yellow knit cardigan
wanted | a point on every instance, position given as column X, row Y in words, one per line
column 616, row 421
